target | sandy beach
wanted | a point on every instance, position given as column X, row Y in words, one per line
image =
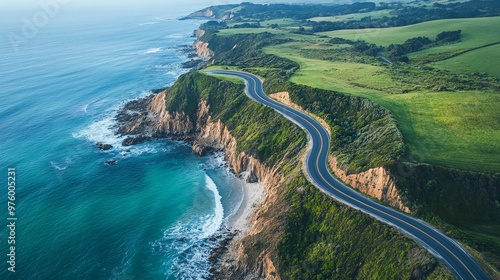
column 252, row 196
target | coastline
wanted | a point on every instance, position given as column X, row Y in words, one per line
column 252, row 197
column 146, row 119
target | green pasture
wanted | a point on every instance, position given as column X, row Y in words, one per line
column 483, row 60
column 358, row 16
column 476, row 32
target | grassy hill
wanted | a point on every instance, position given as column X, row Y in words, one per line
column 475, row 52
column 484, row 60
column 441, row 128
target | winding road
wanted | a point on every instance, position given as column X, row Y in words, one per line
column 443, row 247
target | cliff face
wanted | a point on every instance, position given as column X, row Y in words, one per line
column 205, row 13
column 215, row 12
column 198, row 33
column 375, row 182
column 202, row 50
column 148, row 118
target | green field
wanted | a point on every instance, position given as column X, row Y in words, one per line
column 280, row 22
column 233, row 31
column 475, row 32
column 485, row 60
column 373, row 15
column 223, row 77
column 441, row 128
column 354, row 78
column 454, row 129
column 422, row 3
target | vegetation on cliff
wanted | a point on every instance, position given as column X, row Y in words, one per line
column 396, row 116
column 260, row 131
column 304, row 220
column 318, row 243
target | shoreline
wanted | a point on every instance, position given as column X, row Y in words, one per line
column 252, row 196
column 146, row 119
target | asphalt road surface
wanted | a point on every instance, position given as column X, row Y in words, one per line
column 433, row 240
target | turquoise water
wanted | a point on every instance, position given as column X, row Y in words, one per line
column 147, row 217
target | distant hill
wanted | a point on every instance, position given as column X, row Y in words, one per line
column 214, row 12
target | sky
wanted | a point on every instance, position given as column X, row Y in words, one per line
column 18, row 10
column 197, row 4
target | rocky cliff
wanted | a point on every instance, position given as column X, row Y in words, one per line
column 375, row 182
column 223, row 12
column 147, row 118
column 198, row 33
column 202, row 50
column 201, row 47
column 235, row 264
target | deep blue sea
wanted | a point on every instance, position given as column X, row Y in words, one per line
column 147, row 217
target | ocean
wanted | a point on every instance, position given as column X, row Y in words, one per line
column 149, row 216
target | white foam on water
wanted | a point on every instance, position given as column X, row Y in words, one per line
column 152, row 50
column 176, row 36
column 57, row 166
column 148, row 23
column 212, row 226
column 159, row 66
column 104, row 131
column 101, row 131
column 189, row 241
column 184, row 244
column 85, row 107
column 173, row 70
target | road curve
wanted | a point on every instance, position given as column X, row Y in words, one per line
column 433, row 240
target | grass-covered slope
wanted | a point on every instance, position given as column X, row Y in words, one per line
column 483, row 60
column 475, row 32
column 326, row 240
column 363, row 135
column 247, row 120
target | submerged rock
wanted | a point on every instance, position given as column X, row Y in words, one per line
column 104, row 147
